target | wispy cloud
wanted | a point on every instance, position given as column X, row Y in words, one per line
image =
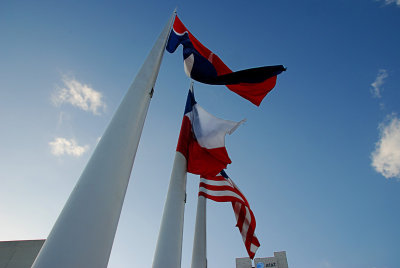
column 79, row 95
column 388, row 2
column 62, row 146
column 325, row 264
column 386, row 157
column 62, row 118
column 378, row 83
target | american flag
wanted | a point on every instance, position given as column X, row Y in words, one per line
column 222, row 189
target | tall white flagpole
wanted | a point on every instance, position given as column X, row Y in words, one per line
column 83, row 234
column 169, row 244
column 199, row 254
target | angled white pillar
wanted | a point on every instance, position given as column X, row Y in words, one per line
column 84, row 232
column 169, row 244
column 199, row 255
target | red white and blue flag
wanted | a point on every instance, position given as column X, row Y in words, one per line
column 202, row 139
column 206, row 67
column 221, row 188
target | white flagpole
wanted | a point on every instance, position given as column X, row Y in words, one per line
column 169, row 243
column 199, row 255
column 83, row 234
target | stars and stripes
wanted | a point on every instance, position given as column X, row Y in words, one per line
column 221, row 188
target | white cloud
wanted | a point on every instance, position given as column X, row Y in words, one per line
column 388, row 2
column 79, row 95
column 386, row 157
column 61, row 146
column 378, row 83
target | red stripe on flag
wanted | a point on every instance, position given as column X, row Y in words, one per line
column 185, row 137
column 254, row 92
column 206, row 162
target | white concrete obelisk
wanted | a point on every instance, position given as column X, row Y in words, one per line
column 84, row 232
column 199, row 254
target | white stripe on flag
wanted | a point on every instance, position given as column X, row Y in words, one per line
column 209, row 130
column 226, row 193
column 216, row 182
column 253, row 248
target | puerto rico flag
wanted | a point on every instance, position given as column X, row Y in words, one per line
column 221, row 188
column 206, row 67
column 202, row 139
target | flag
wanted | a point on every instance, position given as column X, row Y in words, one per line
column 206, row 67
column 221, row 188
column 202, row 139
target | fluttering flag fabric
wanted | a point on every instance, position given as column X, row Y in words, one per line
column 206, row 67
column 202, row 139
column 221, row 188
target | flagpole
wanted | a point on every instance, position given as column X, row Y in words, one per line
column 168, row 251
column 169, row 244
column 84, row 231
column 199, row 255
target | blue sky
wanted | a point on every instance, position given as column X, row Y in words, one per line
column 318, row 161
